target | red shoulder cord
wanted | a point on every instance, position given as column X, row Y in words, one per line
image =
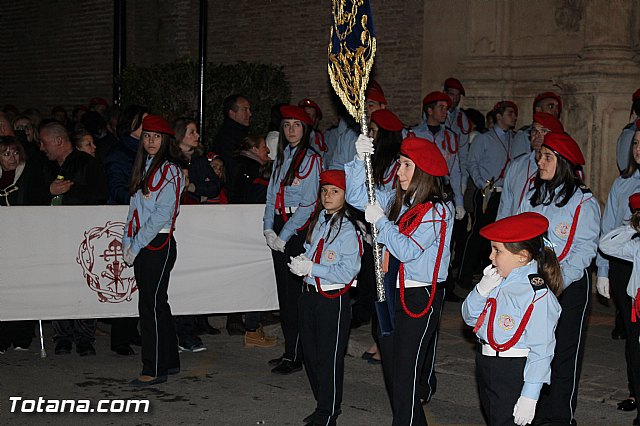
column 460, row 124
column 319, row 140
column 635, row 307
column 393, row 175
column 527, row 183
column 572, row 232
column 447, row 139
column 491, row 306
column 317, row 257
column 161, row 185
column 279, row 204
column 407, row 226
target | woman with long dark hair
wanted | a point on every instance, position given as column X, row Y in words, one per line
column 148, row 245
column 414, row 224
column 291, row 199
column 559, row 194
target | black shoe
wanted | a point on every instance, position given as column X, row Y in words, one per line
column 309, row 418
column 141, row 384
column 628, row 405
column 123, row 350
column 275, row 362
column 210, row 330
column 636, row 421
column 287, row 367
column 84, row 349
column 63, row 347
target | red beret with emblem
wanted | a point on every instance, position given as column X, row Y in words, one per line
column 548, row 121
column 636, row 95
column 454, row 83
column 505, row 104
column 308, row 103
column 514, row 229
column 296, row 113
column 387, row 120
column 155, row 123
column 334, row 177
column 375, row 93
column 564, row 145
column 548, row 95
column 98, row 101
column 435, row 97
column 634, row 201
column 425, row 154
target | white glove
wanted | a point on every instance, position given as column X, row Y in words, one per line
column 270, row 236
column 602, row 285
column 460, row 212
column 364, row 145
column 128, row 256
column 278, row 245
column 301, row 265
column 524, row 410
column 490, row 280
column 191, row 187
column 373, row 212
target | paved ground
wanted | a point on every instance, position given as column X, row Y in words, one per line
column 232, row 385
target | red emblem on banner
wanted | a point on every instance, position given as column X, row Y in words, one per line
column 100, row 257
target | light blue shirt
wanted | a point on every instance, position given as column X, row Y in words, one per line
column 489, row 155
column 521, row 144
column 455, row 118
column 617, row 211
column 513, row 297
column 156, row 210
column 301, row 194
column 587, row 232
column 418, row 252
column 443, row 139
column 618, row 243
column 518, row 180
column 340, row 261
column 341, row 146
column 623, row 146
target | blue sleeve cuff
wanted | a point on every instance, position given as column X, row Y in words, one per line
column 531, row 390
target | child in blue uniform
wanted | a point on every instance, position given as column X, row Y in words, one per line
column 329, row 265
column 291, row 199
column 148, row 244
column 515, row 312
column 415, row 227
column 623, row 243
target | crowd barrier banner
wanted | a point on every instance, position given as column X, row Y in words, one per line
column 66, row 262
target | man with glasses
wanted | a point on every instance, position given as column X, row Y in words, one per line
column 548, row 102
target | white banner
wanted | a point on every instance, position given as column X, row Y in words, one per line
column 66, row 262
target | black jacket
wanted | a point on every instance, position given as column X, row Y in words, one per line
column 89, row 181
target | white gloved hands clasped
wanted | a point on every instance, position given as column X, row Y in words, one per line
column 278, row 245
column 270, row 237
column 127, row 255
column 602, row 285
column 490, row 280
column 373, row 213
column 300, row 265
column 460, row 212
column 364, row 145
column 524, row 410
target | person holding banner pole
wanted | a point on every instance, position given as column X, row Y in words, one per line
column 148, row 245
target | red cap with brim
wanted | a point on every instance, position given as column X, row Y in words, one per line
column 155, row 123
column 334, row 177
column 548, row 121
column 308, row 103
column 634, row 201
column 296, row 113
column 505, row 104
column 515, row 229
column 375, row 94
column 548, row 95
column 564, row 145
column 425, row 154
column 454, row 83
column 387, row 120
column 434, row 97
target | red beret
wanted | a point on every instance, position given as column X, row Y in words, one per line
column 454, row 83
column 98, row 101
column 375, row 92
column 548, row 95
column 548, row 121
column 155, row 123
column 297, row 113
column 434, row 97
column 334, row 177
column 310, row 104
column 387, row 120
column 564, row 145
column 635, row 96
column 634, row 201
column 425, row 154
column 515, row 229
column 505, row 104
